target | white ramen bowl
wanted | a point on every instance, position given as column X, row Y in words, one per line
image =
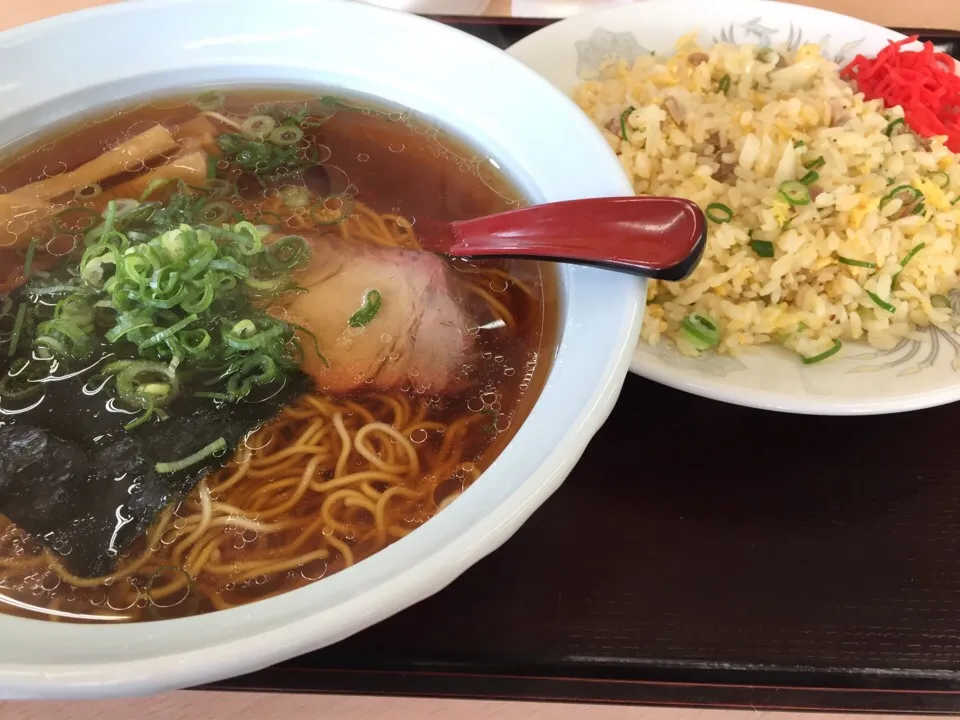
column 74, row 63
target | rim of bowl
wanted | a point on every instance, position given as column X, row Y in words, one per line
column 389, row 587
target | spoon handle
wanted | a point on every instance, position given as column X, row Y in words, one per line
column 658, row 237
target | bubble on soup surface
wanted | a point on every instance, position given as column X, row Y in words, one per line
column 396, row 147
column 314, row 571
column 139, row 127
column 123, row 595
column 54, row 169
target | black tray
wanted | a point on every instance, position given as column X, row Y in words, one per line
column 700, row 554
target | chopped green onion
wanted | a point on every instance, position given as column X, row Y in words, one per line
column 109, row 217
column 815, row 163
column 940, row 301
column 824, row 355
column 295, row 196
column 137, row 422
column 794, row 192
column 17, row 329
column 798, row 143
column 316, row 342
column 218, row 445
column 911, row 193
column 368, row 311
column 167, row 332
column 919, row 208
column 910, row 255
column 763, row 248
column 214, row 396
column 724, row 85
column 811, row 177
column 286, row 135
column 940, row 179
column 881, row 302
column 216, row 212
column 258, row 126
column 143, row 382
column 893, row 125
column 857, row 263
column 719, row 213
column 209, row 100
column 153, row 186
column 623, row 122
column 903, row 263
column 700, row 331
column 28, row 262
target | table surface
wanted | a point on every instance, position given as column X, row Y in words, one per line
column 939, row 14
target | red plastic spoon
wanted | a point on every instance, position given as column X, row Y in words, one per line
column 658, row 237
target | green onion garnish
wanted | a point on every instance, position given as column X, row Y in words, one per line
column 210, row 100
column 794, row 192
column 940, row 179
column 28, row 262
column 286, row 135
column 17, row 329
column 700, row 331
column 919, row 209
column 857, row 263
column 824, row 355
column 218, row 445
column 798, row 143
column 903, row 263
column 910, row 255
column 137, row 422
column 623, row 122
column 724, row 84
column 763, row 248
column 894, row 124
column 815, row 163
column 368, row 311
column 911, row 193
column 940, row 301
column 811, row 177
column 881, row 302
column 719, row 213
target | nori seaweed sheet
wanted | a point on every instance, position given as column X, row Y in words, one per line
column 74, row 479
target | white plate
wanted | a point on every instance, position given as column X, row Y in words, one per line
column 917, row 374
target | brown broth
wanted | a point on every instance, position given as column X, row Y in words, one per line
column 397, row 164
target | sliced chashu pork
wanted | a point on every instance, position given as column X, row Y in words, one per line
column 419, row 336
